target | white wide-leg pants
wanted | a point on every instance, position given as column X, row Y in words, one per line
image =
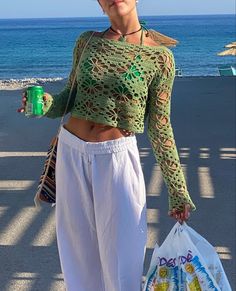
column 100, row 213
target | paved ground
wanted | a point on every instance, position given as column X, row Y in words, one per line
column 203, row 118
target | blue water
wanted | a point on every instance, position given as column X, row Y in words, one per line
column 42, row 48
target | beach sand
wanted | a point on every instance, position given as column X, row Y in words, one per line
column 203, row 120
column 15, row 84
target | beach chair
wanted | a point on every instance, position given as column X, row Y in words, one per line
column 227, row 71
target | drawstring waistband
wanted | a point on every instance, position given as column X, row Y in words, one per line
column 109, row 146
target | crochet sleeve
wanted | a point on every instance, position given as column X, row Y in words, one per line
column 56, row 104
column 160, row 132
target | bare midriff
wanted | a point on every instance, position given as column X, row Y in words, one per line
column 94, row 132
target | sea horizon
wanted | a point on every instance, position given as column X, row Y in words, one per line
column 75, row 17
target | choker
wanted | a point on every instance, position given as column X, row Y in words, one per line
column 123, row 36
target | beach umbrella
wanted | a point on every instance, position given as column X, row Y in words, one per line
column 229, row 52
column 231, row 45
column 162, row 39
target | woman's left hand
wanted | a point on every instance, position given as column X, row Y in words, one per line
column 181, row 216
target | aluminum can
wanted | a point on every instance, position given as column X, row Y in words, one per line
column 34, row 102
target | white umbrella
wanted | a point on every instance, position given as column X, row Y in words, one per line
column 231, row 45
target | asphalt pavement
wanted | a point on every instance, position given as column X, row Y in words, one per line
column 203, row 120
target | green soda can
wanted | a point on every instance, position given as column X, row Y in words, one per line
column 34, row 103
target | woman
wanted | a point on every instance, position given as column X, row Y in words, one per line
column 124, row 78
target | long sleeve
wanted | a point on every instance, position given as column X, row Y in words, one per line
column 56, row 104
column 160, row 132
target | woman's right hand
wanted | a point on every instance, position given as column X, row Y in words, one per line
column 46, row 97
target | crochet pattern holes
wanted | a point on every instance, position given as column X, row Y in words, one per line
column 122, row 85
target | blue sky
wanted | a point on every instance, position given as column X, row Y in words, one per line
column 86, row 8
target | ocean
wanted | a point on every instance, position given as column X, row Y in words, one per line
column 42, row 48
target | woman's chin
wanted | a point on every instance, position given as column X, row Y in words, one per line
column 119, row 12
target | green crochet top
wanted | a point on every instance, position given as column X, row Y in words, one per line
column 122, row 84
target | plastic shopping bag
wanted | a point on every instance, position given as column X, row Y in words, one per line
column 185, row 262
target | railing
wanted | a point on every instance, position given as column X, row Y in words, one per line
column 178, row 72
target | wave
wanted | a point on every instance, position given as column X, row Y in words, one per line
column 14, row 84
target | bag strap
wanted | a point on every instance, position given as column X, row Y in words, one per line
column 54, row 143
column 73, row 84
